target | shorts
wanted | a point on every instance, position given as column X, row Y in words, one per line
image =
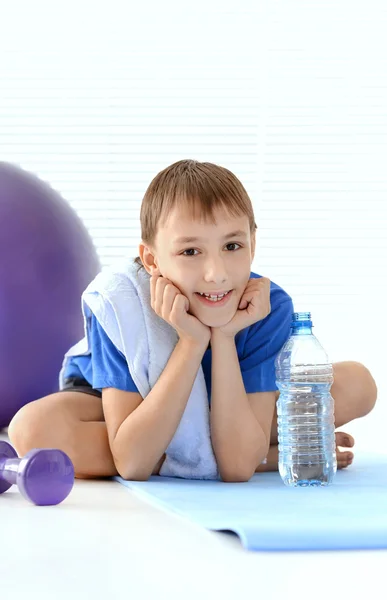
column 78, row 384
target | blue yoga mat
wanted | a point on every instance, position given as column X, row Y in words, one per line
column 267, row 515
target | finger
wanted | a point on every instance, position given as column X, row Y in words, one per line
column 265, row 280
column 258, row 283
column 179, row 308
column 252, row 296
column 257, row 286
column 170, row 293
column 159, row 293
column 247, row 297
column 153, row 281
column 243, row 304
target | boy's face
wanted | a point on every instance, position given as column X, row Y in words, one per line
column 214, row 263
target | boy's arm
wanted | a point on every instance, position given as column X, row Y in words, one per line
column 240, row 422
column 140, row 431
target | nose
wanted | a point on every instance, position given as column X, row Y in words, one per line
column 215, row 271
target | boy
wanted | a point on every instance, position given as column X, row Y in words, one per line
column 198, row 244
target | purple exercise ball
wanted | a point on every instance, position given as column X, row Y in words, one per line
column 47, row 259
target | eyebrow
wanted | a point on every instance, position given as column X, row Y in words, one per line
column 187, row 240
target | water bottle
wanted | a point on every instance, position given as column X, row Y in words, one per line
column 305, row 408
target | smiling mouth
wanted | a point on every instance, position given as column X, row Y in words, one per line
column 214, row 298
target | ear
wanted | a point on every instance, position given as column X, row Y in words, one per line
column 253, row 242
column 148, row 259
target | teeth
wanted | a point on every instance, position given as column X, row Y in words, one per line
column 214, row 298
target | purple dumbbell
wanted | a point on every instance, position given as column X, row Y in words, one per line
column 44, row 476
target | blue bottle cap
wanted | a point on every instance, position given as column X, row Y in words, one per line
column 301, row 319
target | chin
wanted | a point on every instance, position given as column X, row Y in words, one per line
column 220, row 321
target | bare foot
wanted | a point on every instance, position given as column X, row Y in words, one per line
column 344, row 459
column 344, row 440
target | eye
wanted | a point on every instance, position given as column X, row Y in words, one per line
column 189, row 250
column 233, row 244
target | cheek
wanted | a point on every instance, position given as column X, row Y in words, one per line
column 178, row 278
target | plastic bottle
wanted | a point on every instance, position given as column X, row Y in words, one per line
column 305, row 408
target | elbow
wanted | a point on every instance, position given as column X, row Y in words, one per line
column 132, row 473
column 235, row 477
column 242, row 471
column 127, row 464
column 129, row 470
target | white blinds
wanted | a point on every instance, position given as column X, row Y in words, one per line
column 291, row 96
column 101, row 138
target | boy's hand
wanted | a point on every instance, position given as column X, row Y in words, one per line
column 254, row 306
column 171, row 305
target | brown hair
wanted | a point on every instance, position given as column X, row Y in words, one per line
column 203, row 185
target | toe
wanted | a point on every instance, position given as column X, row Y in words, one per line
column 344, row 439
column 344, row 455
column 344, row 459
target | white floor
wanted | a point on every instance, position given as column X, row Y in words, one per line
column 106, row 543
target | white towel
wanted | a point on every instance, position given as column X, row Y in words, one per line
column 120, row 300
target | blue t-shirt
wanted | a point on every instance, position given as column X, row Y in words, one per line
column 257, row 347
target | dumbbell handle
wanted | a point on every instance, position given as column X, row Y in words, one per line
column 8, row 469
